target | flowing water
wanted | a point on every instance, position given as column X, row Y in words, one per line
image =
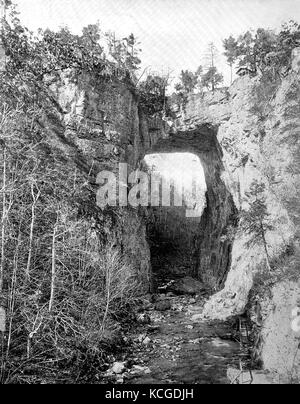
column 177, row 349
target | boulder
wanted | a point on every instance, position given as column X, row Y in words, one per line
column 187, row 286
column 146, row 341
column 140, row 369
column 118, row 368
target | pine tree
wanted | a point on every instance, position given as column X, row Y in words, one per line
column 212, row 54
column 256, row 221
column 231, row 52
column 212, row 78
column 188, row 82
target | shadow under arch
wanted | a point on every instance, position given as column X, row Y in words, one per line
column 211, row 254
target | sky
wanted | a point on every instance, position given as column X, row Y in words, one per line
column 174, row 34
column 186, row 172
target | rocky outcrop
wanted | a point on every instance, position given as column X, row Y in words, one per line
column 280, row 332
column 99, row 124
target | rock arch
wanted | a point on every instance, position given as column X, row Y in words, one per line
column 212, row 256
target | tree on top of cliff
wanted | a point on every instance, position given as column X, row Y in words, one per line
column 132, row 61
column 231, row 50
column 152, row 93
column 264, row 50
column 212, row 78
column 50, row 52
column 125, row 52
column 256, row 221
column 188, row 81
column 290, row 34
column 211, row 55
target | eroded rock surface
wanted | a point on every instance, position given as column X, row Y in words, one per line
column 267, row 151
column 102, row 124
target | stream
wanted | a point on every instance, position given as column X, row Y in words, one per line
column 175, row 348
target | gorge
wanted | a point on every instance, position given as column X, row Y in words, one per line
column 234, row 147
column 205, row 291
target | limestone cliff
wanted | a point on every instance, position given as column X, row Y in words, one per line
column 99, row 124
column 102, row 124
column 261, row 145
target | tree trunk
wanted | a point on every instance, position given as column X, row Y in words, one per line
column 53, row 268
column 265, row 247
column 12, row 297
column 3, row 221
column 108, row 292
column 33, row 206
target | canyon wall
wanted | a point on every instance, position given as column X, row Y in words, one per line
column 99, row 124
column 102, row 124
column 258, row 132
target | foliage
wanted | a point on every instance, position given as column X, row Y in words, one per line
column 51, row 52
column 264, row 50
column 54, row 267
column 212, row 78
column 208, row 77
column 153, row 94
column 262, row 93
column 256, row 221
column 231, row 50
column 125, row 52
column 61, row 284
column 188, row 81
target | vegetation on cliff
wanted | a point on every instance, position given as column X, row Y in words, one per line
column 63, row 287
column 264, row 50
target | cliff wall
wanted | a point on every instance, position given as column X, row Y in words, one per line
column 258, row 131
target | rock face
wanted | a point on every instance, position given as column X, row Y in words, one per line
column 263, row 146
column 102, row 126
column 99, row 124
column 296, row 60
column 104, row 121
column 280, row 333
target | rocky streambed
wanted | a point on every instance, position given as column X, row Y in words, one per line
column 173, row 345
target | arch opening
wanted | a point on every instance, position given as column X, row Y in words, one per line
column 182, row 243
column 173, row 226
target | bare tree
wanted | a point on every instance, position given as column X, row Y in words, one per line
column 35, row 197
